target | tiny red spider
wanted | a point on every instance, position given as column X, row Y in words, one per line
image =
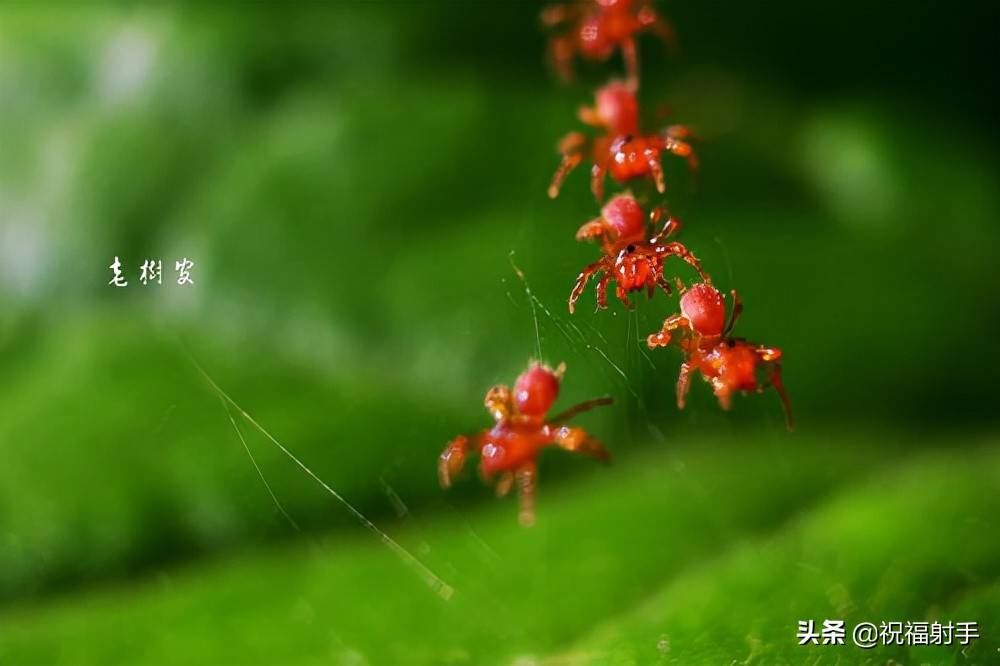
column 631, row 261
column 728, row 364
column 511, row 447
column 595, row 28
column 623, row 151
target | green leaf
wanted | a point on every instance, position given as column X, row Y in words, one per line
column 715, row 551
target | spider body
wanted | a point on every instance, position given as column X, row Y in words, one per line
column 728, row 364
column 622, row 151
column 595, row 29
column 509, row 450
column 629, row 260
column 510, row 446
column 731, row 365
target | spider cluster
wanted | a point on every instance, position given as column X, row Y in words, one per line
column 636, row 238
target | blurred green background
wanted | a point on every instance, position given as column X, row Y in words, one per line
column 353, row 183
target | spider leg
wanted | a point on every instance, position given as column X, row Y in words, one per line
column 735, row 314
column 588, row 116
column 683, row 384
column 560, row 371
column 682, row 149
column 553, row 15
column 581, row 283
column 498, row 402
column 597, row 228
column 560, row 54
column 664, row 285
column 682, row 132
column 652, row 21
column 504, row 484
column 723, row 393
column 768, row 354
column 580, row 409
column 573, row 142
column 630, row 54
column 597, row 173
column 786, row 404
column 679, row 250
column 561, row 46
column 623, row 296
column 602, row 291
column 452, row 459
column 526, row 480
column 655, row 277
column 569, row 162
column 577, row 440
column 561, row 57
column 771, row 356
column 657, row 170
column 662, row 337
column 670, row 227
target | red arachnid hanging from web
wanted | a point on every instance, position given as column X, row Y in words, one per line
column 728, row 364
column 594, row 30
column 622, row 150
column 509, row 450
column 629, row 260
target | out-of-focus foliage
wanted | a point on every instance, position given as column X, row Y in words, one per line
column 698, row 556
column 354, row 183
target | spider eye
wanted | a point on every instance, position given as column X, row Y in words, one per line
column 631, row 248
column 628, row 138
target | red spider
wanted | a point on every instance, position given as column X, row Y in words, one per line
column 631, row 261
column 521, row 431
column 595, row 28
column 623, row 151
column 728, row 364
